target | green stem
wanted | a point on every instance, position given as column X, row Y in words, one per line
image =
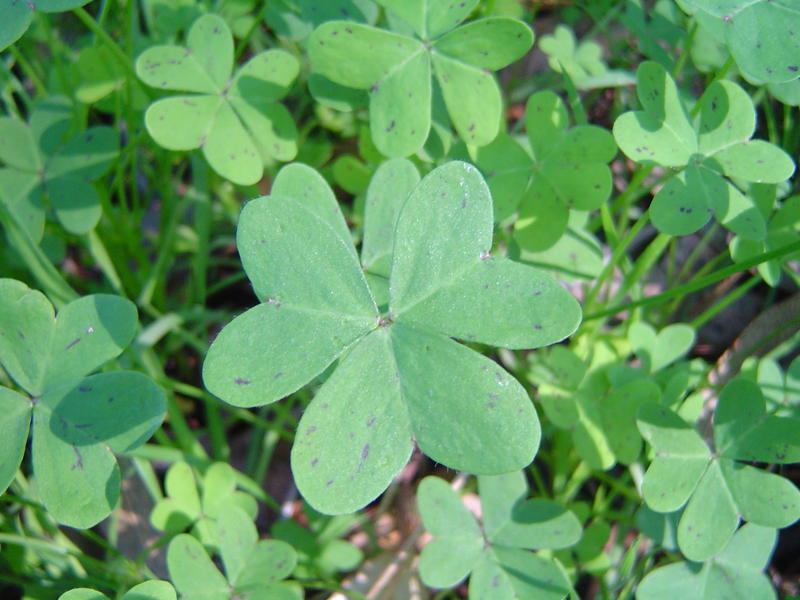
column 698, row 284
column 30, row 72
column 720, row 305
column 103, row 36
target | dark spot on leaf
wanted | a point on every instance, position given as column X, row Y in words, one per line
column 793, row 68
column 391, row 126
column 84, row 388
column 324, row 406
column 371, row 422
column 240, row 381
column 110, row 399
column 365, row 452
column 311, row 430
column 329, row 482
column 21, row 335
column 78, row 460
column 278, row 375
column 537, row 326
column 73, row 342
column 314, row 462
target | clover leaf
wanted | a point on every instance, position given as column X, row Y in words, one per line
column 77, row 421
column 717, row 145
column 184, row 506
column 657, row 350
column 42, row 164
column 762, row 35
column 716, row 488
column 736, row 572
column 400, row 377
column 495, row 557
column 296, row 19
column 253, row 569
column 234, row 117
column 582, row 62
column 18, row 14
column 149, row 590
column 397, row 68
column 565, row 169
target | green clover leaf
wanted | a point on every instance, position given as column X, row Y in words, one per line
column 398, row 72
column 736, row 572
column 77, row 421
column 496, row 556
column 762, row 35
column 565, row 169
column 657, row 350
column 583, row 62
column 253, row 569
column 43, row 164
column 149, row 590
column 400, row 377
column 296, row 19
column 184, row 507
column 718, row 489
column 716, row 147
column 235, row 118
column 17, row 16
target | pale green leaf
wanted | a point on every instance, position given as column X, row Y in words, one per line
column 237, row 537
column 757, row 161
column 230, row 149
column 211, row 43
column 151, row 590
column 192, row 572
column 15, row 420
column 710, row 517
column 472, row 98
column 400, row 113
column 761, row 497
column 267, row 76
column 89, row 332
column 181, row 122
column 388, row 190
column 726, row 117
column 87, row 156
column 472, row 416
column 490, row 43
column 76, row 203
column 355, row 435
column 17, row 145
column 26, row 331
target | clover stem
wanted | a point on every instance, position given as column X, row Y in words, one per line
column 103, row 36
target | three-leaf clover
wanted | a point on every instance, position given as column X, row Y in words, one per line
column 564, row 169
column 762, row 35
column 400, row 378
column 234, row 118
column 717, row 145
column 149, row 590
column 717, row 488
column 43, row 164
column 396, row 69
column 78, row 421
column 183, row 506
column 495, row 556
column 736, row 572
column 253, row 569
column 18, row 14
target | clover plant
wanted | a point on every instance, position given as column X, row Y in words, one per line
column 296, row 19
column 709, row 149
column 400, row 380
column 46, row 162
column 398, row 72
column 564, row 169
column 78, row 420
column 234, row 117
column 495, row 555
column 183, row 507
column 253, row 569
column 717, row 488
column 736, row 572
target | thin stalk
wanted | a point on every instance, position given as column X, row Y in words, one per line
column 28, row 70
column 104, row 37
column 720, row 305
column 98, row 251
column 644, row 263
column 698, row 284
